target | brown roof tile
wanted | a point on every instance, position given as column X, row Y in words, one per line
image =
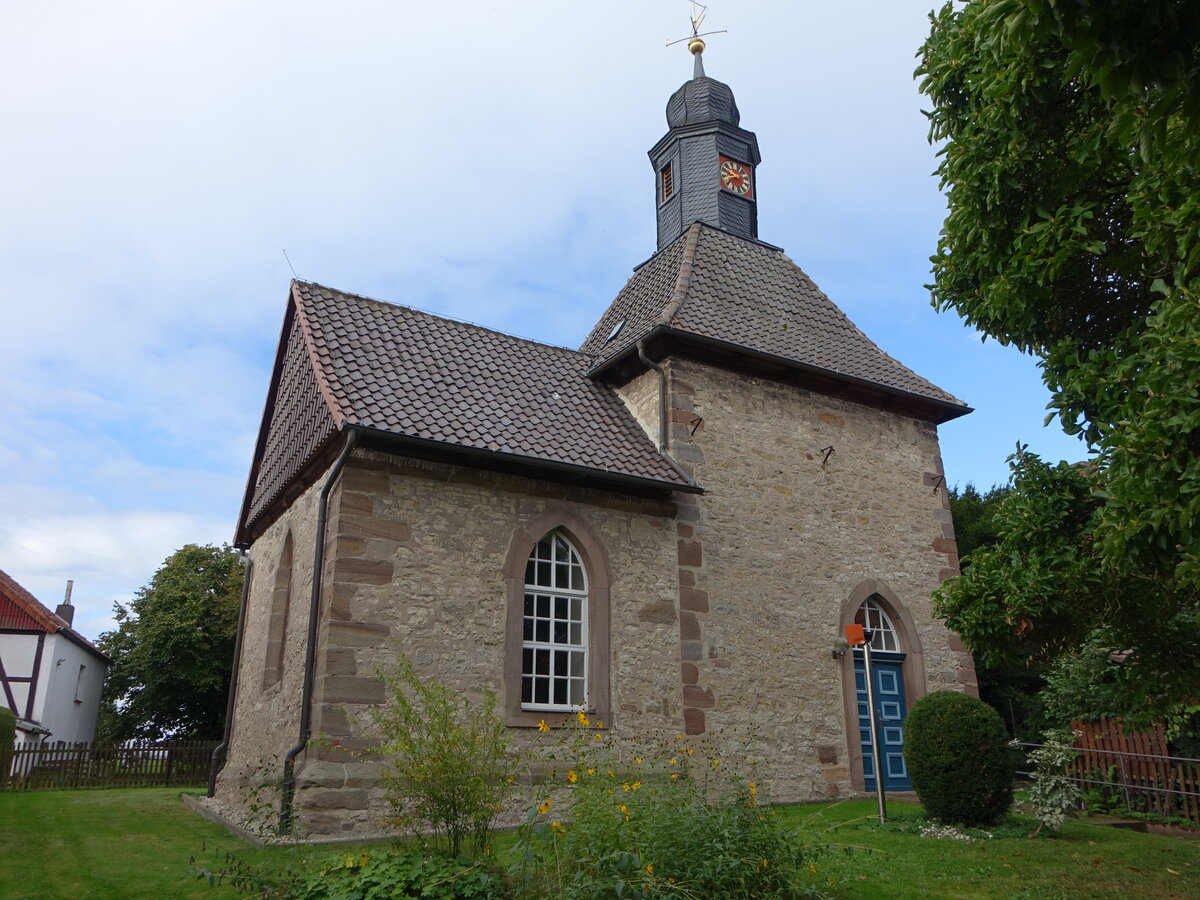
column 405, row 372
column 716, row 285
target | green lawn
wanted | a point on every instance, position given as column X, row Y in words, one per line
column 136, row 843
column 1086, row 861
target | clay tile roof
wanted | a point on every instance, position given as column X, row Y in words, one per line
column 17, row 604
column 717, row 285
column 21, row 611
column 401, row 371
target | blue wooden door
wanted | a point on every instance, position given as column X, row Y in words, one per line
column 891, row 710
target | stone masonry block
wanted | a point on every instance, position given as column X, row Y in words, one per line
column 387, row 529
column 827, row 754
column 662, row 613
column 693, row 721
column 689, row 673
column 694, row 600
column 354, row 798
column 687, row 578
column 340, row 661
column 322, row 775
column 691, row 650
column 363, row 571
column 355, row 504
column 691, row 553
column 365, row 482
column 697, row 697
column 347, row 546
column 353, row 689
column 945, row 545
column 339, row 601
column 689, row 627
column 357, row 634
column 684, row 531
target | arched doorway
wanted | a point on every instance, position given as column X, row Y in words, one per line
column 899, row 667
column 891, row 705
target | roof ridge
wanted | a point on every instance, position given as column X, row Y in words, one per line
column 442, row 316
column 683, row 280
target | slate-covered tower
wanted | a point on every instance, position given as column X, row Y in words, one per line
column 705, row 164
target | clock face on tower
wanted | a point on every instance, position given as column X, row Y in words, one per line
column 735, row 177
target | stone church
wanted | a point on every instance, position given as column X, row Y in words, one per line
column 671, row 524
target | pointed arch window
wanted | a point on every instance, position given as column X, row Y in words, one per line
column 554, row 648
column 871, row 616
column 281, row 601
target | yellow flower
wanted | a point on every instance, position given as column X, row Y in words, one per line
column 812, row 868
column 572, row 777
column 624, row 809
column 637, row 759
column 582, row 717
column 673, row 762
column 650, row 868
column 674, row 774
column 753, row 789
column 591, row 771
column 679, row 737
column 595, row 737
column 635, row 785
column 599, row 725
column 558, row 828
column 689, row 751
column 764, row 863
column 545, row 807
column 542, row 726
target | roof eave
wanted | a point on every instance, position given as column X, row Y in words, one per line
column 940, row 411
column 480, row 457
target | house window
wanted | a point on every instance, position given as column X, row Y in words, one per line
column 872, row 617
column 79, row 684
column 554, row 648
column 668, row 182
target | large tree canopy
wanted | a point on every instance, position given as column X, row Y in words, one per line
column 1070, row 164
column 173, row 649
column 1071, row 160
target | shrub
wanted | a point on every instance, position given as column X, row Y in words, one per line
column 8, row 737
column 1054, row 796
column 450, row 765
column 956, row 751
column 654, row 821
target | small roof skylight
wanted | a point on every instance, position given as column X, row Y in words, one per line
column 616, row 330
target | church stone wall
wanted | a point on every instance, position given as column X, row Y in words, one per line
column 787, row 531
column 421, row 551
column 267, row 720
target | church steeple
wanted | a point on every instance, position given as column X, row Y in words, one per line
column 704, row 164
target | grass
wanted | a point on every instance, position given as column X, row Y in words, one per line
column 1086, row 861
column 117, row 844
column 136, row 844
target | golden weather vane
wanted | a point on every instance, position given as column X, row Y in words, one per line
column 699, row 11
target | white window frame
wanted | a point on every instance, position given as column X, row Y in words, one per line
column 546, row 594
column 883, row 633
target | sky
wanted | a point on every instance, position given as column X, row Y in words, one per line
column 478, row 160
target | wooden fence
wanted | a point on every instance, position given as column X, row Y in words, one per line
column 59, row 765
column 1136, row 769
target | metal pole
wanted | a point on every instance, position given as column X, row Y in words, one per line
column 876, row 750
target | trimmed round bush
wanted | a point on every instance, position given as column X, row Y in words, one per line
column 956, row 751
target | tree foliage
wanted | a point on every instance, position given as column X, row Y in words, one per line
column 974, row 515
column 172, row 651
column 1045, row 594
column 1071, row 156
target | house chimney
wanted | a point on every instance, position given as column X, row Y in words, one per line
column 65, row 610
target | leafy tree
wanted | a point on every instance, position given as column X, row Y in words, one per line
column 1072, row 148
column 1072, row 132
column 1044, row 594
column 173, row 649
column 974, row 515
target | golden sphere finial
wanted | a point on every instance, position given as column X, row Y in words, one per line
column 696, row 45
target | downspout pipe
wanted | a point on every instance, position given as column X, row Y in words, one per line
column 288, row 793
column 663, row 443
column 218, row 754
